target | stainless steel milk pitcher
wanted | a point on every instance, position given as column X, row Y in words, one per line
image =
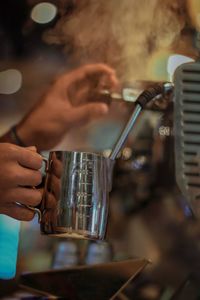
column 77, row 184
column 75, row 199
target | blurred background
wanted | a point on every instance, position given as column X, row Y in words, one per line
column 144, row 41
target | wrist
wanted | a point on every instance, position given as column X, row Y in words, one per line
column 31, row 136
column 16, row 138
column 12, row 137
column 24, row 135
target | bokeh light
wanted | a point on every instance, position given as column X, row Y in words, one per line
column 10, row 81
column 43, row 13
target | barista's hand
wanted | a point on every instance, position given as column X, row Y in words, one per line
column 19, row 172
column 68, row 103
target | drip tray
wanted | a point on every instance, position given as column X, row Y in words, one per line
column 99, row 282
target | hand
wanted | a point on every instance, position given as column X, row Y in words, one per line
column 68, row 103
column 18, row 173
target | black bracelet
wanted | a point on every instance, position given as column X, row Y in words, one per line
column 16, row 139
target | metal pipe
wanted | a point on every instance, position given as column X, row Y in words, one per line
column 118, row 146
column 143, row 99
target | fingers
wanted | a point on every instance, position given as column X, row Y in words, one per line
column 18, row 212
column 80, row 95
column 29, row 158
column 27, row 196
column 87, row 112
column 26, row 177
column 93, row 69
column 24, row 196
column 89, row 70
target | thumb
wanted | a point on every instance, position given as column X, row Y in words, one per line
column 87, row 112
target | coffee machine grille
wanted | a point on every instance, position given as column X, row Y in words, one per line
column 187, row 132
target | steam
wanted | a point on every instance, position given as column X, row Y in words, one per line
column 124, row 34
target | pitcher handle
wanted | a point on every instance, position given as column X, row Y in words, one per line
column 37, row 209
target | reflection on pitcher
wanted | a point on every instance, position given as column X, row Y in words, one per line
column 75, row 201
column 52, row 193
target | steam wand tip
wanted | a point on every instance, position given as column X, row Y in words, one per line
column 145, row 97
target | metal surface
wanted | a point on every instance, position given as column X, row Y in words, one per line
column 99, row 282
column 187, row 132
column 75, row 201
column 125, row 132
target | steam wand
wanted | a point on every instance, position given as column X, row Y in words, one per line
column 145, row 97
